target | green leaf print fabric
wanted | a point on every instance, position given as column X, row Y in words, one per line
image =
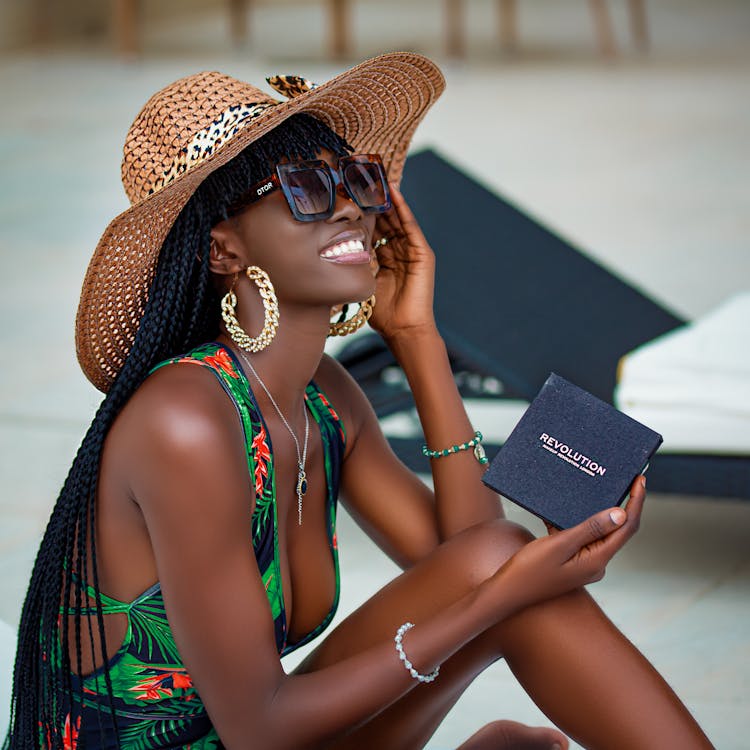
column 156, row 705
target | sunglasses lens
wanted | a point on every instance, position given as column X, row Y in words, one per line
column 310, row 187
column 311, row 190
column 365, row 182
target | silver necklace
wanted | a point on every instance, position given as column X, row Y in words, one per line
column 301, row 487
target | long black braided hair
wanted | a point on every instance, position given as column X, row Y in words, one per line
column 182, row 311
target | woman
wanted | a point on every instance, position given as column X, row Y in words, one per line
column 194, row 540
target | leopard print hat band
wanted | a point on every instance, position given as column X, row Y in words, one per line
column 194, row 126
column 140, row 182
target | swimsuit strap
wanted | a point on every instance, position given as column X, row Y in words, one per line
column 110, row 606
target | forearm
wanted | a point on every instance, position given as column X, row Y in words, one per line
column 361, row 686
column 460, row 497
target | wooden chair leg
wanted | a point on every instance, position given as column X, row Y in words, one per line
column 126, row 23
column 41, row 27
column 603, row 27
column 238, row 12
column 455, row 37
column 507, row 12
column 639, row 24
column 340, row 27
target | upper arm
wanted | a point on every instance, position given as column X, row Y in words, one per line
column 189, row 476
column 387, row 499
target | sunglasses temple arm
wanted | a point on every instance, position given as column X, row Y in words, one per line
column 256, row 192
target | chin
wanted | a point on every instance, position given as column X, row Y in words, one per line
column 356, row 294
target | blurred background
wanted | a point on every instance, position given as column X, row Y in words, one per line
column 621, row 125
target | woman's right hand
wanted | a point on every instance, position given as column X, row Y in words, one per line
column 565, row 560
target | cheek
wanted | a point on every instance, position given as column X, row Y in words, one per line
column 267, row 232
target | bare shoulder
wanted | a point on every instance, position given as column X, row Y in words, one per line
column 332, row 375
column 179, row 417
column 182, row 402
column 342, row 390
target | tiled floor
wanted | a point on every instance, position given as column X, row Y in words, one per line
column 643, row 162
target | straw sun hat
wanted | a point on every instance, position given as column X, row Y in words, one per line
column 194, row 126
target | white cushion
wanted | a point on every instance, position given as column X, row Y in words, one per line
column 693, row 384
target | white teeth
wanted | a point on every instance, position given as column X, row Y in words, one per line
column 343, row 248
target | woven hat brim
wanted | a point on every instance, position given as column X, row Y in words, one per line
column 376, row 106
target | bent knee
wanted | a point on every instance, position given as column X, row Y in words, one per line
column 489, row 545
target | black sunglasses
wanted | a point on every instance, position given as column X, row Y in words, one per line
column 310, row 186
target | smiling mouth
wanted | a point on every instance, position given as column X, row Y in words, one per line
column 344, row 249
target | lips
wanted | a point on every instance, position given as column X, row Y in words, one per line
column 343, row 248
column 346, row 251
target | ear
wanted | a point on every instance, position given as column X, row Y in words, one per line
column 225, row 256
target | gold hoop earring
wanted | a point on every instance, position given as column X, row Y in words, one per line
column 344, row 327
column 270, row 313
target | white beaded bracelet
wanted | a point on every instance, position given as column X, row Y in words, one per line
column 402, row 655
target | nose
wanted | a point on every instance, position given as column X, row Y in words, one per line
column 344, row 208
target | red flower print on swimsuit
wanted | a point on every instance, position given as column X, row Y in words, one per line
column 221, row 361
column 262, row 456
column 181, row 680
column 152, row 688
column 70, row 736
column 155, row 687
column 328, row 406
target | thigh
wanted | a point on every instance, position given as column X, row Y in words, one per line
column 455, row 568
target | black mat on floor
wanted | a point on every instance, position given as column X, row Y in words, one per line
column 514, row 301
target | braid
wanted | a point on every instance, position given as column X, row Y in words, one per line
column 181, row 312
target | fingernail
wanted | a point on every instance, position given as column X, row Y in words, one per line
column 643, row 481
column 556, row 746
column 617, row 516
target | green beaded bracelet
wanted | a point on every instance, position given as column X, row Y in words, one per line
column 475, row 443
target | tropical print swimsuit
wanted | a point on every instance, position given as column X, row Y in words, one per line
column 156, row 706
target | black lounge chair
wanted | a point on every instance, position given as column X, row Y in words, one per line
column 514, row 302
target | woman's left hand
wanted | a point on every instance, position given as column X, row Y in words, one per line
column 406, row 274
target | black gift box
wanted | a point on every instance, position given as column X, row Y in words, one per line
column 570, row 455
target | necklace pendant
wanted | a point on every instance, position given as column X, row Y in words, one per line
column 301, row 482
